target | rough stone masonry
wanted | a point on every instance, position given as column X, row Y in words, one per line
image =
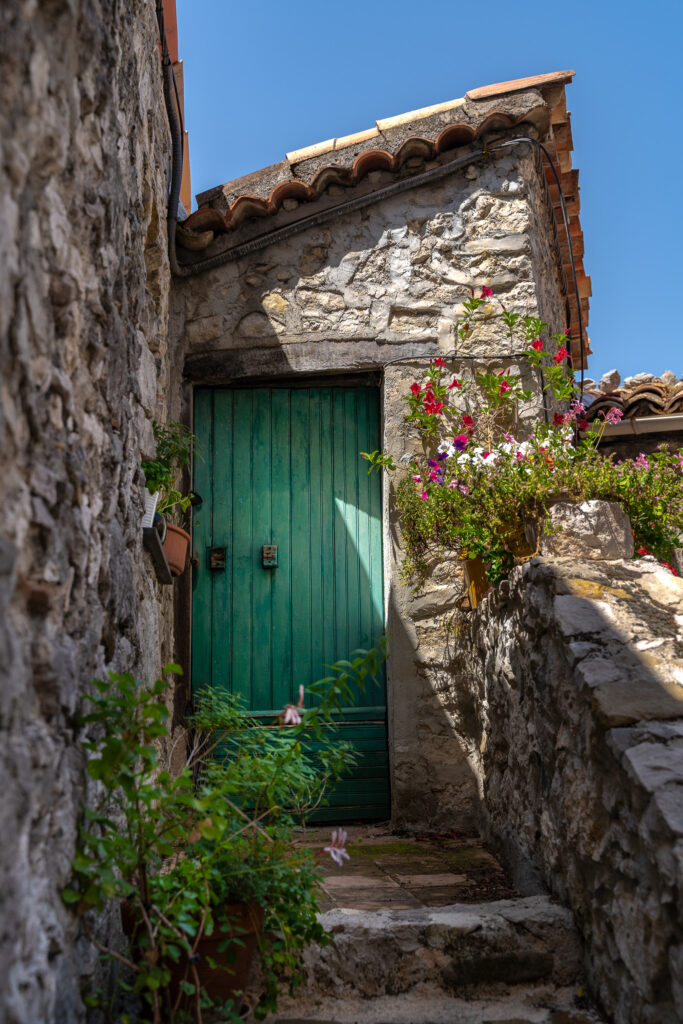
column 83, row 371
column 381, row 289
column 577, row 667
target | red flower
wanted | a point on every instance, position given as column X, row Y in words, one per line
column 454, row 384
column 429, row 386
column 558, row 419
column 538, row 344
column 566, row 331
column 583, row 424
column 642, row 551
column 432, row 407
column 486, row 293
column 504, row 386
column 467, row 422
column 437, row 362
column 561, row 354
column 415, row 388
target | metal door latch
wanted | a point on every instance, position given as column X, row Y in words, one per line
column 216, row 558
column 269, row 556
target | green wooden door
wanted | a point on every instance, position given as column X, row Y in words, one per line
column 281, row 466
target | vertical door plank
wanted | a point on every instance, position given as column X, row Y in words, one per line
column 341, row 624
column 351, row 467
column 365, row 444
column 327, row 531
column 243, row 561
column 221, row 581
column 280, row 501
column 201, row 539
column 376, row 561
column 318, row 537
column 301, row 551
column 261, row 667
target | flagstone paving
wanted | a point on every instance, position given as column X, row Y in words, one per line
column 388, row 870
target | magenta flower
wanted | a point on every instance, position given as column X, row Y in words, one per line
column 336, row 848
column 614, row 415
column 424, row 495
column 460, row 442
column 486, row 293
column 417, row 479
column 641, row 461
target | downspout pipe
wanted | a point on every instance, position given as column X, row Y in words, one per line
column 176, row 145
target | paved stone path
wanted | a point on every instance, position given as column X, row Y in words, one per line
column 386, row 871
column 427, row 930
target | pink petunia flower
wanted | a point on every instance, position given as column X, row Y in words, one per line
column 460, row 442
column 336, row 848
column 290, row 715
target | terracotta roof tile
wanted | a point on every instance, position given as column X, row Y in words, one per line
column 417, row 115
column 651, row 398
column 517, row 84
column 401, row 145
column 351, row 140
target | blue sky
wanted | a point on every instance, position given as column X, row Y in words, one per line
column 263, row 80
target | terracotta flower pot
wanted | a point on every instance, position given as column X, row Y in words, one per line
column 233, row 963
column 175, row 548
column 245, row 921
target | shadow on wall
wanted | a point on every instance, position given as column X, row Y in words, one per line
column 579, row 667
column 378, row 283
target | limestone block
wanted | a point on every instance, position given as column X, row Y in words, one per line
column 206, row 328
column 593, row 529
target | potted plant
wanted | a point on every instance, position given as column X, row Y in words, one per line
column 205, row 865
column 175, row 444
column 483, row 477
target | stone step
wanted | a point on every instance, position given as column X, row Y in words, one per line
column 511, row 961
column 425, row 1005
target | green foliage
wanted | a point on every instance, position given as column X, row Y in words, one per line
column 477, row 486
column 175, row 444
column 177, row 851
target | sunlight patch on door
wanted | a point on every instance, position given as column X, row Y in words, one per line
column 359, row 523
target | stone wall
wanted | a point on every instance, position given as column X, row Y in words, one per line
column 83, row 344
column 374, row 287
column 578, row 664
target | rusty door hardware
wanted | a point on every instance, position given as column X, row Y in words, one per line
column 269, row 556
column 216, row 558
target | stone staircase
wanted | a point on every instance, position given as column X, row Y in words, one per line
column 515, row 961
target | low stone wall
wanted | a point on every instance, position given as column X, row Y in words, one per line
column 580, row 665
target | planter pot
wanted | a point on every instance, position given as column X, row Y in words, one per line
column 175, row 548
column 233, row 963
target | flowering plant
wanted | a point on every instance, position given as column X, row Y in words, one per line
column 177, row 852
column 482, row 477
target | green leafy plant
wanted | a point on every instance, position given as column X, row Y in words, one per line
column 478, row 482
column 177, row 851
column 175, row 445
